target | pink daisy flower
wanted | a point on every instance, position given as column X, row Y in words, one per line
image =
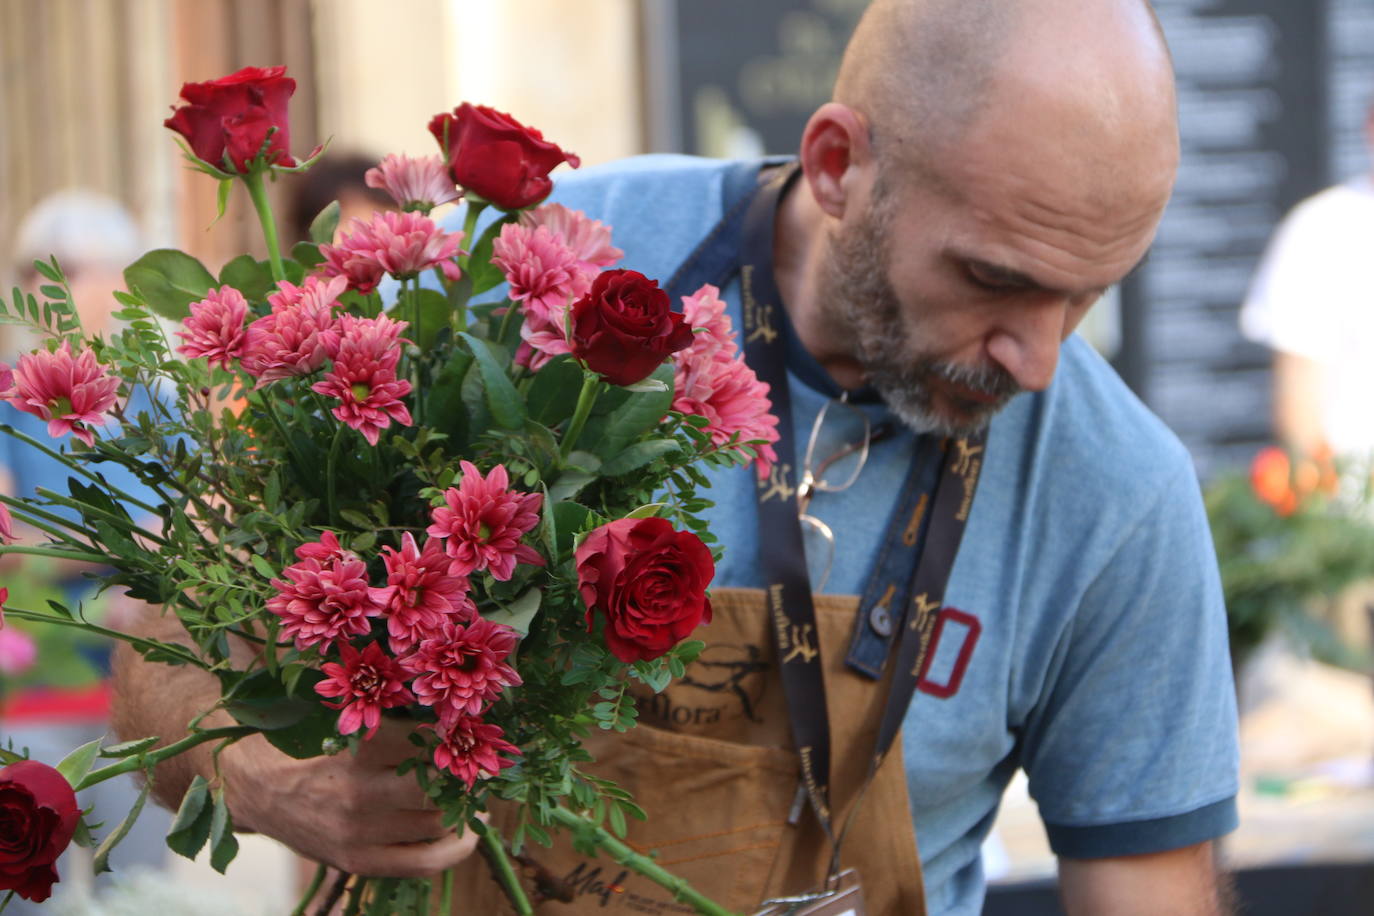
column 216, row 328
column 469, row 749
column 730, row 396
column 483, row 522
column 363, row 376
column 400, row 244
column 414, row 183
column 320, row 602
column 460, row 669
column 298, row 336
column 366, row 683
column 542, row 271
column 71, row 392
column 6, row 525
column 589, row 239
column 425, row 595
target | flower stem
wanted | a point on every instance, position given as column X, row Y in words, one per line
column 644, row 865
column 258, row 191
column 469, row 227
column 310, row 891
column 335, row 892
column 330, row 463
column 591, row 387
column 355, row 896
column 494, row 848
column 446, row 894
column 152, row 758
column 137, row 642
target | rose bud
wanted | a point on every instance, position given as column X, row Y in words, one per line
column 234, row 114
column 496, row 157
column 648, row 581
column 624, row 328
column 38, row 815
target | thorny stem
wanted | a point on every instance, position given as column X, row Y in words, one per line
column 335, row 892
column 494, row 849
column 136, row 641
column 310, row 891
column 139, row 761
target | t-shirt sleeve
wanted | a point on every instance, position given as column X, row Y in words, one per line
column 1306, row 280
column 1134, row 748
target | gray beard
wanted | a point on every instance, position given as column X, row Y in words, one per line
column 856, row 283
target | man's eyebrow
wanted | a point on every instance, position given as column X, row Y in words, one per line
column 1011, row 278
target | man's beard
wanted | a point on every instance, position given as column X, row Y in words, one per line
column 857, row 284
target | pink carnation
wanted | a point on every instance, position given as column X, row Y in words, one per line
column 483, row 523
column 363, row 376
column 400, row 244
column 589, row 239
column 215, row 329
column 460, row 669
column 298, row 336
column 365, row 683
column 71, row 392
column 542, row 271
column 469, row 749
column 425, row 595
column 415, row 184
column 321, row 601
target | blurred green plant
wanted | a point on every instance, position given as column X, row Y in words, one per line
column 1291, row 536
column 63, row 657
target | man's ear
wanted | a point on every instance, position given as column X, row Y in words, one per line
column 835, row 151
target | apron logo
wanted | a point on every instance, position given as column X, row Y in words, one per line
column 589, row 883
column 758, row 319
column 800, row 644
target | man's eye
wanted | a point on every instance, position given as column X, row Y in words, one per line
column 983, row 281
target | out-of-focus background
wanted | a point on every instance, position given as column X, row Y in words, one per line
column 1274, row 101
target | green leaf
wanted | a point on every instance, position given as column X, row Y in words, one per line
column 638, row 455
column 307, row 254
column 552, row 396
column 169, row 281
column 191, row 828
column 222, row 198
column 251, row 277
column 8, row 756
column 325, row 224
column 569, row 484
column 648, row 511
column 434, row 315
column 569, row 518
column 102, row 853
column 483, row 274
column 129, row 748
column 611, row 433
column 505, row 402
column 262, row 567
column 518, row 614
column 78, row 763
column 223, row 844
column 617, row 821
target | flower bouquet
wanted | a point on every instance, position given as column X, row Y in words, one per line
column 444, row 477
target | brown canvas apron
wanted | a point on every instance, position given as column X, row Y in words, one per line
column 712, row 763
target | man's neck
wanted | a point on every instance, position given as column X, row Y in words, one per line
column 799, row 247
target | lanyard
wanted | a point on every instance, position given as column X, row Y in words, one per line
column 743, row 242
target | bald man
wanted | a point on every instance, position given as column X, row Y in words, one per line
column 986, row 170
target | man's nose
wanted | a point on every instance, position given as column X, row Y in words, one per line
column 1027, row 344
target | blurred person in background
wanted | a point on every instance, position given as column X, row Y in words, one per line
column 1312, row 302
column 335, row 177
column 54, row 689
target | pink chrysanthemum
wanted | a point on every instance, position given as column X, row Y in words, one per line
column 730, row 396
column 363, row 376
column 400, row 244
column 327, row 548
column 6, row 525
column 366, row 683
column 589, row 239
column 414, row 183
column 483, row 523
column 18, row 652
column 321, row 601
column 461, row 668
column 541, row 341
column 71, row 392
column 298, row 336
column 216, row 327
column 425, row 595
column 542, row 271
column 470, row 749
column 704, row 313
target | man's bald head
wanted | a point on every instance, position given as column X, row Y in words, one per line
column 923, row 72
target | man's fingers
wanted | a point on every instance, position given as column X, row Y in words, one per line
column 390, row 746
column 414, row 860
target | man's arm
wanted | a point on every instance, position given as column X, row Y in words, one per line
column 1180, row 882
column 353, row 813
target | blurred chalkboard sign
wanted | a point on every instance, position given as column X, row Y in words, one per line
column 1271, row 100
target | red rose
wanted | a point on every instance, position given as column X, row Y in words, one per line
column 496, row 157
column 233, row 115
column 625, row 327
column 38, row 815
column 649, row 582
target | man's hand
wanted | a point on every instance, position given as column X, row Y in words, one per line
column 353, row 813
column 1180, row 882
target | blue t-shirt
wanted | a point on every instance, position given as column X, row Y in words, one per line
column 1084, row 637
